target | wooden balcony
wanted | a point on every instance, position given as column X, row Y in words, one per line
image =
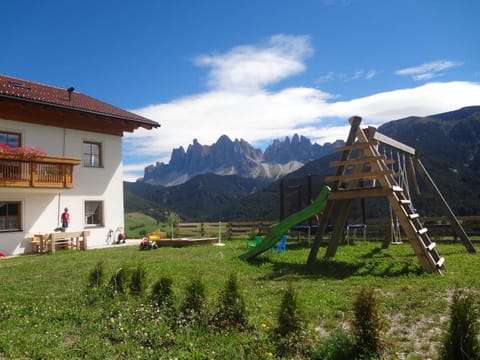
column 44, row 172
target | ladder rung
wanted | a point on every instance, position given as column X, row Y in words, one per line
column 405, row 202
column 413, row 216
column 397, row 188
column 440, row 262
column 422, row 231
column 431, row 246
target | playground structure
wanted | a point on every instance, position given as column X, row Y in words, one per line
column 365, row 171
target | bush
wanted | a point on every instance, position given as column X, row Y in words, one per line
column 162, row 296
column 118, row 282
column 292, row 339
column 138, row 281
column 289, row 317
column 337, row 346
column 461, row 338
column 367, row 325
column 193, row 309
column 95, row 277
column 162, row 293
column 231, row 312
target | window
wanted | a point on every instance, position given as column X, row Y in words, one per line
column 10, row 216
column 92, row 154
column 94, row 213
column 11, row 139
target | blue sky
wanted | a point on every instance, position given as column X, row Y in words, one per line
column 251, row 69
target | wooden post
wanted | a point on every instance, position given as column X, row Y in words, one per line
column 339, row 228
column 322, row 227
column 354, row 126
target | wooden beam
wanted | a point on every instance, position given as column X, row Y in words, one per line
column 327, row 213
column 358, row 193
column 359, row 176
column 339, row 228
column 322, row 227
column 364, row 160
column 392, row 143
column 359, row 145
column 355, row 124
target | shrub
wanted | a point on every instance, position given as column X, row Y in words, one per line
column 193, row 308
column 337, row 346
column 367, row 325
column 138, row 281
column 292, row 339
column 162, row 293
column 231, row 312
column 289, row 318
column 95, row 277
column 118, row 281
column 461, row 337
column 162, row 296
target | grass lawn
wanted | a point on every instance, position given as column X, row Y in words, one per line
column 46, row 312
column 135, row 222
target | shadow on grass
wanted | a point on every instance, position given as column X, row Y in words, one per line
column 327, row 268
column 375, row 262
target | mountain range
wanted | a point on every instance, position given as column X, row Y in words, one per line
column 448, row 144
column 238, row 157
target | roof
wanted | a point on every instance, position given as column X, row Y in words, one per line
column 33, row 92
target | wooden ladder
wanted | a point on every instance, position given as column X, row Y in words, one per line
column 417, row 234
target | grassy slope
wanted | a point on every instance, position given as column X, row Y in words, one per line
column 136, row 222
column 44, row 312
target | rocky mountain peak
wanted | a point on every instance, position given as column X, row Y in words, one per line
column 238, row 157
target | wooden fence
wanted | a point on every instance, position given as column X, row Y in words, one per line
column 439, row 228
column 227, row 230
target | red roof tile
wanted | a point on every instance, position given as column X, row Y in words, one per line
column 54, row 96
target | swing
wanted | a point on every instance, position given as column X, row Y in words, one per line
column 403, row 183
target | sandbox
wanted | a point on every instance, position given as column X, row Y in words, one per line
column 181, row 242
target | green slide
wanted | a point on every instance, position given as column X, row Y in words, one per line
column 280, row 229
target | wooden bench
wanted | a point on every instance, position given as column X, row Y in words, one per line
column 51, row 242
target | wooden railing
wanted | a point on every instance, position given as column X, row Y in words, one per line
column 45, row 172
column 376, row 229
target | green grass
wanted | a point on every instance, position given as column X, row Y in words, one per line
column 46, row 312
column 138, row 224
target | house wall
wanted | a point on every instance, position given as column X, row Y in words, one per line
column 41, row 208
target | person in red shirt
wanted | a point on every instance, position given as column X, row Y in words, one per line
column 65, row 219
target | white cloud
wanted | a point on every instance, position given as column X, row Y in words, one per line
column 428, row 71
column 259, row 115
column 346, row 77
column 250, row 68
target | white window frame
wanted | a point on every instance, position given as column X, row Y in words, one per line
column 89, row 215
column 19, row 226
column 91, row 159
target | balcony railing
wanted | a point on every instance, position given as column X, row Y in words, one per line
column 44, row 172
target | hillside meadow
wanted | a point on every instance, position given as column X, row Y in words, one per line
column 47, row 312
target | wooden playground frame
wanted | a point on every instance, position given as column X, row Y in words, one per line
column 363, row 172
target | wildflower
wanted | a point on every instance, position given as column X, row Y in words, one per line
column 264, row 326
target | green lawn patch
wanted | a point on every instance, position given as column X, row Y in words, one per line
column 46, row 310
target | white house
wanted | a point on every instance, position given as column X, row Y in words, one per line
column 59, row 148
